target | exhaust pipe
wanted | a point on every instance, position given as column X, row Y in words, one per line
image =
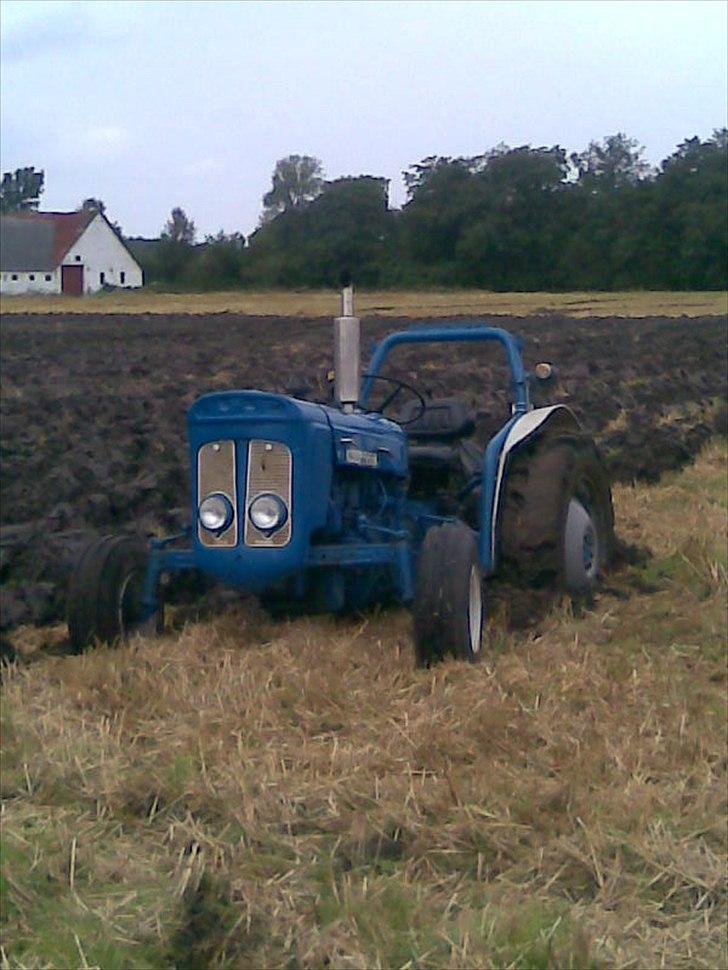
column 347, row 353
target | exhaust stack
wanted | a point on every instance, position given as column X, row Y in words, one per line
column 347, row 365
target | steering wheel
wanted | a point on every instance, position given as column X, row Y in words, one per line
column 399, row 387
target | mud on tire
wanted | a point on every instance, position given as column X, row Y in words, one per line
column 557, row 510
column 104, row 595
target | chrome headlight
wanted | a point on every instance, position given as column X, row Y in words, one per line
column 215, row 513
column 268, row 513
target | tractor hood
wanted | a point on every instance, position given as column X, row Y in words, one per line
column 245, row 407
column 230, row 435
column 366, row 441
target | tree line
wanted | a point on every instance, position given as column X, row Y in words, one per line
column 519, row 218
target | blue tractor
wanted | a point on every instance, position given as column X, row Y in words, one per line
column 381, row 495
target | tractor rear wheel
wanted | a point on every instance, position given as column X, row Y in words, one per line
column 557, row 524
column 448, row 603
column 105, row 592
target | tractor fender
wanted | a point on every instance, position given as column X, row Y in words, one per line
column 533, row 424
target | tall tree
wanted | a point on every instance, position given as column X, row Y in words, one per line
column 603, row 245
column 344, row 229
column 218, row 261
column 512, row 235
column 442, row 195
column 296, row 180
column 179, row 228
column 21, row 189
column 612, row 163
column 487, row 220
column 174, row 253
column 690, row 214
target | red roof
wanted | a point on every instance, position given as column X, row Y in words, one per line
column 68, row 227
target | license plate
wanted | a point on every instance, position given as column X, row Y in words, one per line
column 355, row 456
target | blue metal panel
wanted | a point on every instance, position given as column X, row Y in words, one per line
column 163, row 559
column 305, row 429
column 461, row 334
column 396, row 555
column 353, row 554
column 372, row 434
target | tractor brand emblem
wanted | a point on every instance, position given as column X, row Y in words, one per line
column 355, row 456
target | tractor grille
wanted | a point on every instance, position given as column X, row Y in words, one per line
column 216, row 473
column 270, row 468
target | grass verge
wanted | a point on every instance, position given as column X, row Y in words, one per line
column 396, row 303
column 254, row 794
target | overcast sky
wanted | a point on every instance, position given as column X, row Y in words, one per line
column 148, row 105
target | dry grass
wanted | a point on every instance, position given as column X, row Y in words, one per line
column 251, row 794
column 325, row 303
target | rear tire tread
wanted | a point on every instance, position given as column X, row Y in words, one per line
column 535, row 507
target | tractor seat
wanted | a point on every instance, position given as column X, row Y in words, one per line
column 436, row 436
column 445, row 420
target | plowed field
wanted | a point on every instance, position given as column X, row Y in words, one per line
column 93, row 411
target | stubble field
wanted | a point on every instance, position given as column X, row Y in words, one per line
column 386, row 303
column 244, row 793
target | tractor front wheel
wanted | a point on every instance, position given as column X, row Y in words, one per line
column 105, row 593
column 448, row 603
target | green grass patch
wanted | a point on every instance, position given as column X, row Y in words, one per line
column 55, row 915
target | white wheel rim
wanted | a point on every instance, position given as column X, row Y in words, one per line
column 581, row 547
column 126, row 630
column 120, row 604
column 475, row 609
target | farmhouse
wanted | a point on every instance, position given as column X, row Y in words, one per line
column 63, row 252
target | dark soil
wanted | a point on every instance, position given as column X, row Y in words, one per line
column 93, row 411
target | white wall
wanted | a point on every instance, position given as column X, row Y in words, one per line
column 101, row 251
column 24, row 284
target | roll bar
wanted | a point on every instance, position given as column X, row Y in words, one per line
column 468, row 333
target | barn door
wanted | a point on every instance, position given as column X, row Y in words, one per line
column 72, row 280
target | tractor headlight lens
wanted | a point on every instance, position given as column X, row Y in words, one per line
column 215, row 512
column 268, row 512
